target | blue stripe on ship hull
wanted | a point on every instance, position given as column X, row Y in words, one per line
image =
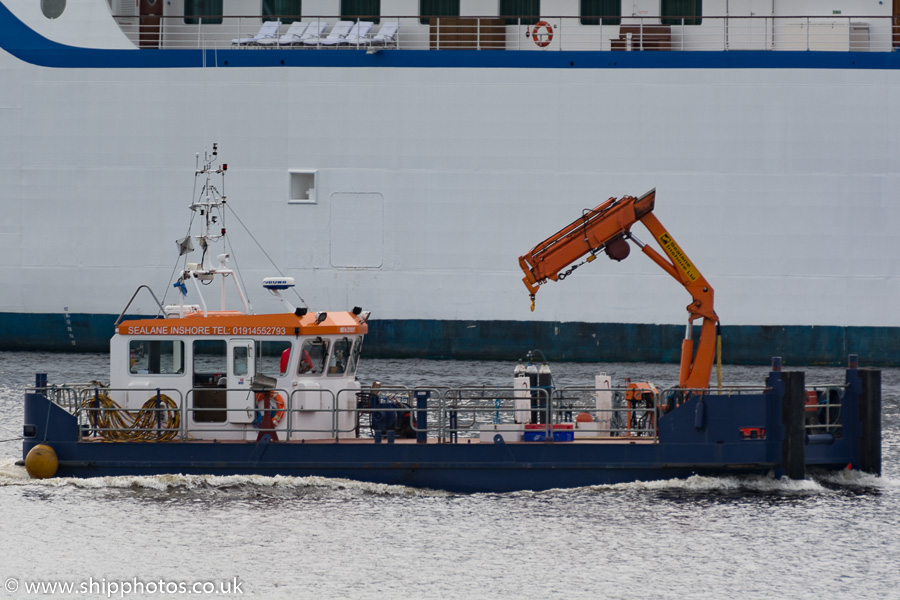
column 509, row 340
column 27, row 45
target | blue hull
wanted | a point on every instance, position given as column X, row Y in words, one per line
column 703, row 437
column 463, row 468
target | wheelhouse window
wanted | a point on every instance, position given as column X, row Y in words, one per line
column 593, row 12
column 678, row 12
column 437, row 8
column 354, row 356
column 207, row 12
column 528, row 10
column 312, row 357
column 286, row 10
column 273, row 358
column 156, row 357
column 366, row 10
column 340, row 357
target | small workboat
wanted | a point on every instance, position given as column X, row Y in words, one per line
column 212, row 388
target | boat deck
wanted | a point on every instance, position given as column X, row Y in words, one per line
column 397, row 441
column 614, row 33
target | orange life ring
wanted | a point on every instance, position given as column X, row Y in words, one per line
column 543, row 42
column 278, row 409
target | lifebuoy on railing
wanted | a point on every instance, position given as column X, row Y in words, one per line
column 545, row 38
column 277, row 411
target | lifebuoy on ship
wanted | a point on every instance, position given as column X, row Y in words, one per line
column 545, row 38
column 276, row 408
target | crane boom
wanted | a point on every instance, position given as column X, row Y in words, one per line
column 607, row 228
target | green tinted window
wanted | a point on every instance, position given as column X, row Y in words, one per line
column 673, row 12
column 286, row 10
column 528, row 10
column 366, row 10
column 208, row 12
column 437, row 8
column 595, row 11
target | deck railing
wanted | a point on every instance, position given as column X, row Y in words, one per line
column 823, row 414
column 443, row 415
column 858, row 33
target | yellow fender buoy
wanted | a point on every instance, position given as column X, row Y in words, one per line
column 41, row 462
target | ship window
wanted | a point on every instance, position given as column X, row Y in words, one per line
column 156, row 357
column 366, row 10
column 239, row 359
column 207, row 12
column 53, row 9
column 437, row 8
column 208, row 398
column 302, row 187
column 287, row 11
column 527, row 10
column 273, row 358
column 312, row 357
column 354, row 356
column 340, row 357
column 674, row 11
column 592, row 10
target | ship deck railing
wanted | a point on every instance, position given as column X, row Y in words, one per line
column 826, row 32
column 437, row 414
column 823, row 416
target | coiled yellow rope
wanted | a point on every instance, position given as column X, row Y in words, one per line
column 158, row 420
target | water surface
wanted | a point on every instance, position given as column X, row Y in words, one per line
column 283, row 537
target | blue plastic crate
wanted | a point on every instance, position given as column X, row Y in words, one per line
column 564, row 435
column 538, row 433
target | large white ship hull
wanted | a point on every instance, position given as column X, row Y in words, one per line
column 432, row 175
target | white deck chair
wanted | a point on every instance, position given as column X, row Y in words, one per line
column 334, row 37
column 313, row 32
column 385, row 35
column 358, row 35
column 268, row 30
column 297, row 29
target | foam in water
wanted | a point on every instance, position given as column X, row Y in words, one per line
column 859, row 479
column 12, row 475
column 15, row 475
column 699, row 483
column 811, row 485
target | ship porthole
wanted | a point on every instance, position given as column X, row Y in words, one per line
column 52, row 9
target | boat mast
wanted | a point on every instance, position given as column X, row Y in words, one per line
column 210, row 203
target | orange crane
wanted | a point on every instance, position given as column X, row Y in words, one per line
column 607, row 228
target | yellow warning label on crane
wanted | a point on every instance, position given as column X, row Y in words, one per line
column 678, row 257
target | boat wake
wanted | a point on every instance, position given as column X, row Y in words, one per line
column 857, row 479
column 14, row 475
column 816, row 483
column 698, row 483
